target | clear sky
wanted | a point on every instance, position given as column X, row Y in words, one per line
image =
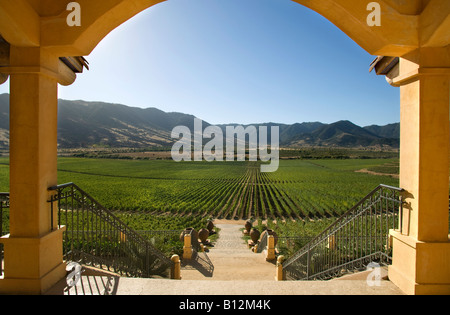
column 240, row 61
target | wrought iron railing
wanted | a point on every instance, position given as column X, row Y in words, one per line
column 4, row 223
column 160, row 234
column 288, row 245
column 359, row 237
column 95, row 236
column 167, row 241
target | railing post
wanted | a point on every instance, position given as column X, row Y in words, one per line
column 187, row 248
column 52, row 228
column 1, row 218
column 175, row 271
column 147, row 260
column 280, row 274
column 270, row 248
column 1, row 234
column 331, row 242
column 308, row 262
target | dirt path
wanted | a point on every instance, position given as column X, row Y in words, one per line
column 230, row 259
column 364, row 170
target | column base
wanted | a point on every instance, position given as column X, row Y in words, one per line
column 32, row 265
column 187, row 252
column 420, row 268
column 18, row 286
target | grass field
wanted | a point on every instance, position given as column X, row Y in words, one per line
column 299, row 190
column 301, row 199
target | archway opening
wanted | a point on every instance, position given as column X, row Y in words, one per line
column 239, row 63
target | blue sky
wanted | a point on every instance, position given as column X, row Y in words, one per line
column 240, row 61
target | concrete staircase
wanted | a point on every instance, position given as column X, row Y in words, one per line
column 229, row 268
column 231, row 259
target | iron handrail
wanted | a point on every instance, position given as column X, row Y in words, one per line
column 4, row 204
column 4, row 199
column 343, row 244
column 113, row 244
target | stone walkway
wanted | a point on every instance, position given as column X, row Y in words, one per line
column 230, row 259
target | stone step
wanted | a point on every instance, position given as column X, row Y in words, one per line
column 362, row 275
column 113, row 285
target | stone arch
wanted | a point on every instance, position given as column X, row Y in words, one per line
column 397, row 36
column 415, row 30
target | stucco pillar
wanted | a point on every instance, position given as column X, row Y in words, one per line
column 187, row 248
column 421, row 247
column 33, row 251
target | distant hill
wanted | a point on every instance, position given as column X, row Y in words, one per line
column 343, row 134
column 288, row 133
column 84, row 124
column 388, row 131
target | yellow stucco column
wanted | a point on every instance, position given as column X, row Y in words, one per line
column 421, row 248
column 187, row 248
column 33, row 251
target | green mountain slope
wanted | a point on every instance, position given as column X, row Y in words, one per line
column 84, row 124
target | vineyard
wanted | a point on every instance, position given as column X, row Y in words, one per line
column 301, row 190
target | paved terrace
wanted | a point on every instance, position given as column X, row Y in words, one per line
column 230, row 269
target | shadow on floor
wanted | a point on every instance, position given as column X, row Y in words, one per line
column 90, row 283
column 199, row 262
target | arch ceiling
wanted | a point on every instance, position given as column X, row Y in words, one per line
column 406, row 25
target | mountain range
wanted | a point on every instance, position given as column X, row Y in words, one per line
column 84, row 124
